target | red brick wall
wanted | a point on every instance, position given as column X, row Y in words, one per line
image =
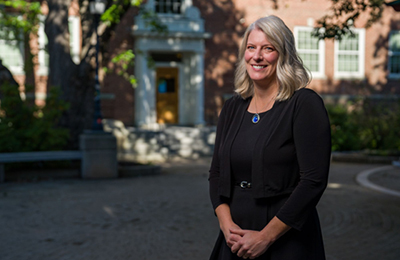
column 227, row 21
column 122, row 106
column 222, row 20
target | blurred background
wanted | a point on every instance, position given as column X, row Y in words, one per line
column 133, row 89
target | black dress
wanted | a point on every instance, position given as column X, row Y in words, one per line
column 255, row 213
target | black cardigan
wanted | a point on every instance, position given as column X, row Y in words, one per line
column 291, row 157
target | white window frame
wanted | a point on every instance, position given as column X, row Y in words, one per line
column 390, row 54
column 43, row 69
column 321, row 51
column 74, row 46
column 360, row 74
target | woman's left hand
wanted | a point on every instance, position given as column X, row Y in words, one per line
column 251, row 245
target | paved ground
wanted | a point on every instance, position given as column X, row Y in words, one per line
column 388, row 178
column 169, row 216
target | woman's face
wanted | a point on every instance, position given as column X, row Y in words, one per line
column 261, row 58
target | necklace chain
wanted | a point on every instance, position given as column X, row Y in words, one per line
column 256, row 118
column 255, row 103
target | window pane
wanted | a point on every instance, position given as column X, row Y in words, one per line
column 347, row 63
column 394, row 52
column 71, row 38
column 46, row 54
column 394, row 42
column 349, row 43
column 395, row 64
column 311, row 61
column 11, row 54
column 306, row 41
column 168, row 6
column 308, row 49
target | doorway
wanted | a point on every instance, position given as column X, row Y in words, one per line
column 167, row 95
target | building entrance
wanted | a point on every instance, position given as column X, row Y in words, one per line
column 167, row 95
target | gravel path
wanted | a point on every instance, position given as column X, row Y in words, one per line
column 169, row 216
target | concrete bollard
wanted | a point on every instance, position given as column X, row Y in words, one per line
column 99, row 155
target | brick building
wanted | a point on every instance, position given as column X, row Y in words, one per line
column 185, row 75
column 195, row 61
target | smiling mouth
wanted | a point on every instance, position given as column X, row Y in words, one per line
column 259, row 66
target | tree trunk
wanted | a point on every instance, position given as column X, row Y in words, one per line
column 75, row 81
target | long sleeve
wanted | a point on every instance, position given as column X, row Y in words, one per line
column 214, row 173
column 312, row 140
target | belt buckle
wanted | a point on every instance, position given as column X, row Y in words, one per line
column 245, row 184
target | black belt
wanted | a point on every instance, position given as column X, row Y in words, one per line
column 244, row 184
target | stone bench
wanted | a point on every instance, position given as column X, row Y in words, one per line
column 36, row 157
column 98, row 155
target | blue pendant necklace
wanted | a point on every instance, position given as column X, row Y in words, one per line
column 256, row 117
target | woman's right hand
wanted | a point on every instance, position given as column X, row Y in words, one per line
column 226, row 224
column 230, row 238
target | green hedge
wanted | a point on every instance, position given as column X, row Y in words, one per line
column 366, row 125
column 25, row 127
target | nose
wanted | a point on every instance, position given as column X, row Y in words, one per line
column 257, row 55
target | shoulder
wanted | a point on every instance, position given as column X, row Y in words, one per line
column 232, row 108
column 235, row 99
column 306, row 103
column 306, row 96
column 234, row 102
column 305, row 93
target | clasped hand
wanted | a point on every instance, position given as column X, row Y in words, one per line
column 247, row 243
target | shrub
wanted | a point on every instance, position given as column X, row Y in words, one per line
column 379, row 125
column 343, row 129
column 25, row 127
column 369, row 125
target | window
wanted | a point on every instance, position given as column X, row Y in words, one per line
column 349, row 55
column 168, row 6
column 394, row 54
column 74, row 40
column 311, row 50
column 12, row 56
column 43, row 55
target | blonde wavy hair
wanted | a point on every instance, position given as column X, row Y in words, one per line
column 290, row 71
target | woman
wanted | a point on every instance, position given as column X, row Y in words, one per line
column 272, row 154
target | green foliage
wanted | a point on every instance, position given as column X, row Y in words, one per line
column 344, row 13
column 117, row 9
column 343, row 129
column 153, row 22
column 125, row 60
column 366, row 125
column 19, row 19
column 25, row 20
column 28, row 128
column 379, row 125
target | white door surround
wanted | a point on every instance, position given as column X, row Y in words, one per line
column 185, row 36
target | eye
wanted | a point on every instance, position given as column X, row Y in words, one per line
column 269, row 48
column 249, row 47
